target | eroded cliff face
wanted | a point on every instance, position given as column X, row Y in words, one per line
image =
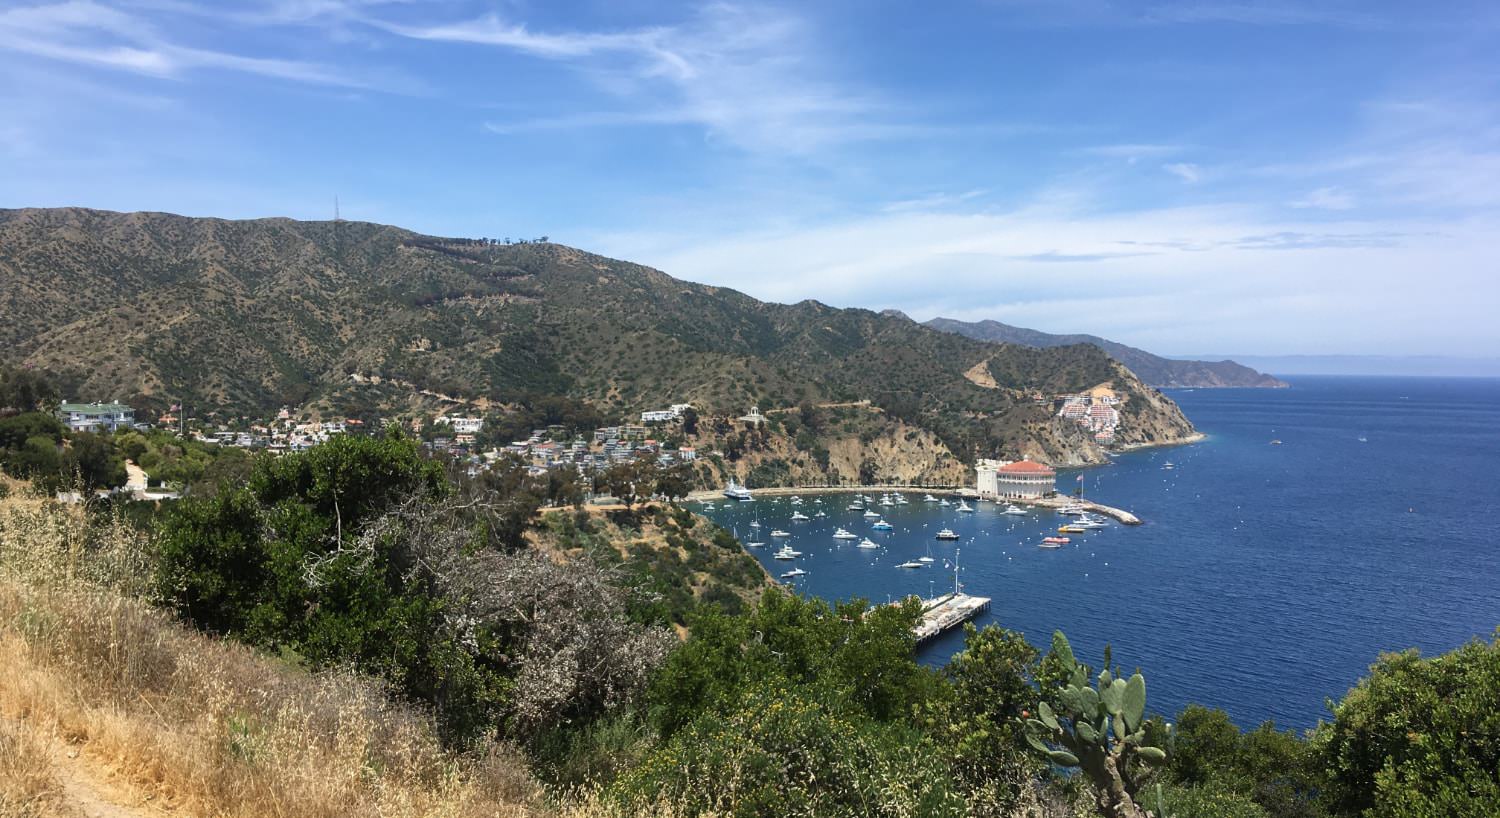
column 863, row 445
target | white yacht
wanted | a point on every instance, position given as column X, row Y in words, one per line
column 786, row 553
column 821, row 513
column 963, row 506
column 737, row 492
column 856, row 506
column 755, row 523
column 887, row 501
column 867, row 543
column 841, row 534
column 900, row 499
column 793, row 574
column 776, row 532
column 1088, row 521
column 928, row 498
column 796, row 501
column 1014, row 510
column 944, row 503
column 947, row 534
column 872, row 514
column 911, row 564
column 754, row 544
column 1073, row 509
column 798, row 517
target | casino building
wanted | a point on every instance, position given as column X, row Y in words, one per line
column 1014, row 480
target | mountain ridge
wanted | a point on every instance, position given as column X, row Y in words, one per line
column 251, row 315
column 1156, row 370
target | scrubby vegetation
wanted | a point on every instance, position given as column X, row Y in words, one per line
column 357, row 630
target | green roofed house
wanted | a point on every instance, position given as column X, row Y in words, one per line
column 93, row 417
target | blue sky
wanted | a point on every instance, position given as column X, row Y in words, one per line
column 1186, row 176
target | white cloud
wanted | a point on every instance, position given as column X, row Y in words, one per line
column 750, row 76
column 89, row 33
column 1325, row 198
column 1131, row 153
column 1186, row 171
column 1170, row 280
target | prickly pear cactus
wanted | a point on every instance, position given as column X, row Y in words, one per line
column 1099, row 729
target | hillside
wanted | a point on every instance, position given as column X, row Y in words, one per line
column 251, row 315
column 1153, row 369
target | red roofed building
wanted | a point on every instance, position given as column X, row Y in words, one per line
column 1018, row 480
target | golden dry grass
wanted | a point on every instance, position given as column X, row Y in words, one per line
column 200, row 725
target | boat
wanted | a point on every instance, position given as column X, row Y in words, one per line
column 755, row 523
column 1363, row 439
column 821, row 513
column 911, row 564
column 1276, row 443
column 872, row 514
column 856, row 506
column 776, row 532
column 1169, row 465
column 900, row 499
column 867, row 543
column 882, row 525
column 1090, row 522
column 964, row 506
column 786, row 553
column 737, row 492
column 798, row 516
column 1015, row 510
column 1071, row 528
column 928, row 498
column 944, row 503
column 842, row 534
column 796, row 501
column 1055, row 542
column 1074, row 509
column 754, row 544
column 792, row 574
column 947, row 534
column 887, row 501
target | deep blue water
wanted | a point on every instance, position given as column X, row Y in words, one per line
column 1266, row 578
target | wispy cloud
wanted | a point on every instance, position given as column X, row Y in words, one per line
column 752, row 77
column 1325, row 198
column 1186, row 171
column 1131, row 153
column 93, row 34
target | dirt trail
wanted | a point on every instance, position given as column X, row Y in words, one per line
column 86, row 791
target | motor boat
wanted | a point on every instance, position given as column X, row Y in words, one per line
column 786, row 553
column 947, row 534
column 911, row 564
column 1014, row 510
column 944, row 503
column 737, row 492
column 928, row 498
column 867, row 543
column 963, row 506
column 1073, row 509
column 794, row 573
column 799, row 517
column 1071, row 528
column 872, row 515
column 841, row 534
column 776, row 532
column 1055, row 542
column 882, row 525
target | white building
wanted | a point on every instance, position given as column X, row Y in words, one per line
column 92, row 417
column 462, row 426
column 1018, row 480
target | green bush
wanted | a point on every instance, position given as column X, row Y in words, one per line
column 783, row 752
column 1419, row 737
column 1201, row 801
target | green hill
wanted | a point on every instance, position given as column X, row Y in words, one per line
column 251, row 315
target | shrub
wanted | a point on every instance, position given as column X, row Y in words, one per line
column 783, row 752
column 1419, row 736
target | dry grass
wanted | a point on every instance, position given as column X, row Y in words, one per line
column 29, row 785
column 193, row 723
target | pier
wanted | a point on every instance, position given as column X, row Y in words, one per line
column 1059, row 501
column 943, row 613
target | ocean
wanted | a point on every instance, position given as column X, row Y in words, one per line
column 1265, row 578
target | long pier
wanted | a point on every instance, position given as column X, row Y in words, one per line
column 1059, row 501
column 943, row 613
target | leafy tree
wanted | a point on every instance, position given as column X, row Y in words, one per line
column 94, row 459
column 26, row 390
column 1418, row 737
column 690, row 421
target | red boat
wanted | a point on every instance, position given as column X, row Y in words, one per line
column 1055, row 542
